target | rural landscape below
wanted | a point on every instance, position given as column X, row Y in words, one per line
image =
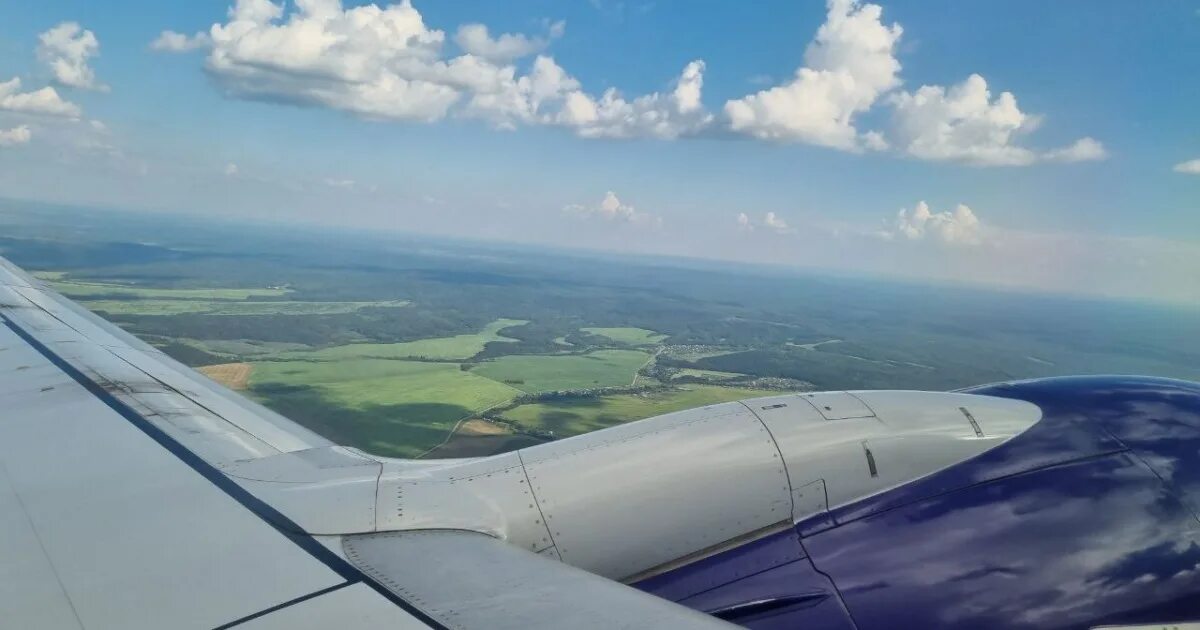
column 410, row 347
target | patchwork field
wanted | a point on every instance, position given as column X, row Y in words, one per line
column 389, row 407
column 470, row 445
column 477, row 427
column 631, row 336
column 475, row 438
column 232, row 375
column 541, row 373
column 125, row 299
column 575, row 416
column 235, row 300
column 230, row 307
column 458, row 347
column 80, row 289
column 372, row 396
column 244, row 347
column 694, row 353
column 711, row 375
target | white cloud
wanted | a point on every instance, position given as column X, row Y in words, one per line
column 474, row 39
column 965, row 124
column 849, row 64
column 549, row 95
column 875, row 141
column 384, row 62
column 770, row 221
column 611, row 208
column 776, row 223
column 957, row 227
column 531, row 99
column 658, row 115
column 66, row 49
column 371, row 61
column 15, row 136
column 231, row 170
column 1082, row 150
column 339, row 182
column 170, row 41
column 1191, row 167
column 45, row 101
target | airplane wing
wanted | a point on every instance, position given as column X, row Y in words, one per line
column 137, row 493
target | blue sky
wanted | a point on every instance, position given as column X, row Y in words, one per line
column 1080, row 182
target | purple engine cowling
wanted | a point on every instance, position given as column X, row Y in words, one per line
column 1088, row 518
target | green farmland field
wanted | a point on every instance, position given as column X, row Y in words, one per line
column 389, row 407
column 84, row 290
column 458, row 347
column 244, row 347
column 292, row 318
column 229, row 307
column 534, row 374
column 580, row 415
column 710, row 374
column 631, row 336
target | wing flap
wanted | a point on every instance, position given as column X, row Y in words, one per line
column 355, row 606
column 472, row 581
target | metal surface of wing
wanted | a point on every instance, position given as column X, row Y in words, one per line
column 468, row 579
column 116, row 509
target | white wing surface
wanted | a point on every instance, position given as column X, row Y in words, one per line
column 117, row 509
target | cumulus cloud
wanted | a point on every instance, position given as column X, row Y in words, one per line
column 961, row 123
column 538, row 97
column 384, row 62
column 474, row 39
column 1191, row 167
column 957, row 227
column 658, row 115
column 371, row 61
column 45, row 101
column 849, row 64
column 776, row 223
column 171, row 41
column 66, row 49
column 964, row 123
column 770, row 221
column 1082, row 150
column 15, row 136
column 611, row 208
column 231, row 170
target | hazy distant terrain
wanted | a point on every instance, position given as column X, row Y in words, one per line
column 410, row 346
